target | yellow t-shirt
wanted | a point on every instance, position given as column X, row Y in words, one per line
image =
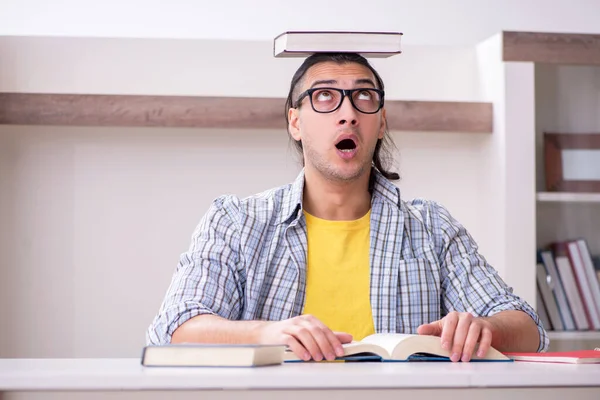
column 338, row 274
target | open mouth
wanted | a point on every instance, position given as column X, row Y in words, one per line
column 346, row 145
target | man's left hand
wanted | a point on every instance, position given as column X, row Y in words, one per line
column 460, row 332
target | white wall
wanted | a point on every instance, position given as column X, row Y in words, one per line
column 509, row 192
column 94, row 219
column 424, row 22
column 97, row 219
column 211, row 68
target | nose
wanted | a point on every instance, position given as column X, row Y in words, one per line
column 347, row 114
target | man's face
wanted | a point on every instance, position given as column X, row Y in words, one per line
column 339, row 145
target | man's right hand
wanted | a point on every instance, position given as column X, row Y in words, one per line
column 306, row 336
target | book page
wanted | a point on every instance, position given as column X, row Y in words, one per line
column 365, row 349
column 388, row 341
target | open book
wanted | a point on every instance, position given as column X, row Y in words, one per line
column 401, row 347
column 212, row 355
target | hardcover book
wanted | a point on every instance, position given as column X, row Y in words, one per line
column 368, row 44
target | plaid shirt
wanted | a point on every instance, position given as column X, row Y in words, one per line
column 247, row 261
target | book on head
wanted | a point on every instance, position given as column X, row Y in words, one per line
column 368, row 44
column 212, row 355
column 401, row 347
column 568, row 357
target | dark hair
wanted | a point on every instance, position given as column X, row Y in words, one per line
column 382, row 155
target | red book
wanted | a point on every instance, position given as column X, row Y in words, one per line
column 568, row 357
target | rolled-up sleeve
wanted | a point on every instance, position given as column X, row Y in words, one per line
column 469, row 282
column 207, row 279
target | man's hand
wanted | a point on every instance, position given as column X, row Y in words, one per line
column 460, row 332
column 306, row 336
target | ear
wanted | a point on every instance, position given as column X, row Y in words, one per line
column 294, row 123
column 383, row 125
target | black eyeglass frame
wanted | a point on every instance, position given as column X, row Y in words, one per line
column 344, row 92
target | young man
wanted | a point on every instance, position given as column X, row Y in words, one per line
column 337, row 254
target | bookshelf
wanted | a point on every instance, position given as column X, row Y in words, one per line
column 543, row 82
column 567, row 100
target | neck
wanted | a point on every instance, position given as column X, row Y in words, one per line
column 336, row 200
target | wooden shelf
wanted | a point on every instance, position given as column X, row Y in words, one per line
column 551, row 48
column 568, row 197
column 575, row 335
column 219, row 112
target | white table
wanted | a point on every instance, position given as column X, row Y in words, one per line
column 126, row 378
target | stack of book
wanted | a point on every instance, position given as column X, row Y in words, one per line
column 568, row 281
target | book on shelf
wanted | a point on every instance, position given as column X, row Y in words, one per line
column 568, row 284
column 542, row 313
column 397, row 347
column 368, row 44
column 583, row 285
column 568, row 357
column 564, row 265
column 589, row 274
column 212, row 355
column 554, row 283
column 547, row 307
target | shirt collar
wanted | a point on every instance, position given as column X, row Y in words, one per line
column 292, row 200
column 380, row 187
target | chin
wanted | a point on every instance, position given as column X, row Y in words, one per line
column 348, row 173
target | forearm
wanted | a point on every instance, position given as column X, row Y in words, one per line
column 514, row 331
column 209, row 328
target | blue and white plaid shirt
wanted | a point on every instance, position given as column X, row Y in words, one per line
column 247, row 261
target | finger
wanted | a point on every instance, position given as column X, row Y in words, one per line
column 297, row 348
column 485, row 342
column 471, row 341
column 305, row 337
column 343, row 337
column 460, row 335
column 434, row 328
column 327, row 341
column 449, row 323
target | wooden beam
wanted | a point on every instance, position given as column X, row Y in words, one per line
column 218, row 112
column 129, row 110
column 552, row 48
column 442, row 116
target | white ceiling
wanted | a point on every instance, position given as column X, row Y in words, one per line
column 424, row 22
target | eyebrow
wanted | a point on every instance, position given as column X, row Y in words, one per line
column 333, row 81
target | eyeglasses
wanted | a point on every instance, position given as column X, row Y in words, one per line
column 327, row 99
